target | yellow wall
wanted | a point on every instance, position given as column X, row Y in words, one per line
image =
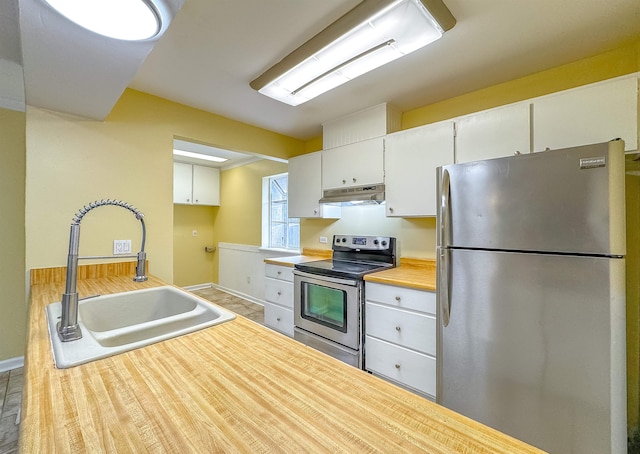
column 416, row 237
column 618, row 62
column 72, row 161
column 240, row 217
column 191, row 263
column 13, row 307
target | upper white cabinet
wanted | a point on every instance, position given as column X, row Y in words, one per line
column 355, row 164
column 305, row 188
column 493, row 133
column 590, row 114
column 410, row 161
column 196, row 185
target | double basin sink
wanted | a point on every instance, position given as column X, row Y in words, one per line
column 113, row 324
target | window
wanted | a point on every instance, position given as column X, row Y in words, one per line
column 278, row 229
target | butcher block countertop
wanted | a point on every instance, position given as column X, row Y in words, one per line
column 235, row 387
column 412, row 273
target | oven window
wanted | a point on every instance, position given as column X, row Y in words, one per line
column 325, row 305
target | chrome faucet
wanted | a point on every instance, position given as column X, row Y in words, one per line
column 68, row 328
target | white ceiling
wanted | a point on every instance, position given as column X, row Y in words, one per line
column 214, row 48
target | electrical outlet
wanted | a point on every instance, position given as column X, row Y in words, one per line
column 121, row 247
column 194, row 233
column 323, row 239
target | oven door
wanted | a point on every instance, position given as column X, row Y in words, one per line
column 328, row 307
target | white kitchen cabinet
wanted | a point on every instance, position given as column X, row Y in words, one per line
column 305, row 188
column 195, row 185
column 590, row 114
column 401, row 336
column 410, row 161
column 356, row 164
column 493, row 133
column 278, row 306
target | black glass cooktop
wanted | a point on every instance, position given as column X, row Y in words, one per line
column 342, row 268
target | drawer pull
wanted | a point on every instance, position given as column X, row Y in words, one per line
column 397, row 328
column 397, row 298
column 277, row 319
column 279, row 272
column 279, row 293
column 397, row 366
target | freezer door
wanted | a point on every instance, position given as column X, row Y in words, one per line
column 535, row 347
column 569, row 200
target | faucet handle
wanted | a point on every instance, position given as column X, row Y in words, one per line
column 141, row 267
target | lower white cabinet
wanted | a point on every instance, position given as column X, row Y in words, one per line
column 400, row 336
column 278, row 306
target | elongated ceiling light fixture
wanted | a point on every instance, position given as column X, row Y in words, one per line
column 372, row 34
column 191, row 154
column 130, row 20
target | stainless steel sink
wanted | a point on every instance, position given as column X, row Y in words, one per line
column 117, row 323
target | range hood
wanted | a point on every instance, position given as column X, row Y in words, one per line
column 373, row 193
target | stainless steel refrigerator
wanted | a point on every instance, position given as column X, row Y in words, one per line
column 531, row 296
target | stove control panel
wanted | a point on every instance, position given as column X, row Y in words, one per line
column 371, row 243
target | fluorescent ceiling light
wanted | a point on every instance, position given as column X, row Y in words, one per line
column 130, row 20
column 372, row 34
column 206, row 157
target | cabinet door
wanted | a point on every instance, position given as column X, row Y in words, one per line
column 206, row 185
column 591, row 114
column 410, row 161
column 493, row 133
column 305, row 188
column 355, row 164
column 182, row 181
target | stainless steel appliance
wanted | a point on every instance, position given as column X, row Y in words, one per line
column 329, row 295
column 531, row 294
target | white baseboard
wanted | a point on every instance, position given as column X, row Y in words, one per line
column 191, row 288
column 11, row 363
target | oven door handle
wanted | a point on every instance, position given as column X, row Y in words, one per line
column 322, row 278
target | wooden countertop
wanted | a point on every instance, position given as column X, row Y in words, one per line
column 412, row 273
column 308, row 255
column 235, row 387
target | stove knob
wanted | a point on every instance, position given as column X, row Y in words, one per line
column 375, row 242
column 384, row 243
column 344, row 240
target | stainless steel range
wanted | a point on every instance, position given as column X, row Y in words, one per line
column 329, row 295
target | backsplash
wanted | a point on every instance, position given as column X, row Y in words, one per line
column 416, row 236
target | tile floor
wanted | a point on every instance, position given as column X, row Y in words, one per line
column 11, row 381
column 10, row 400
column 233, row 303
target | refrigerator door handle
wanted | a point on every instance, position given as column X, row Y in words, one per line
column 443, row 282
column 442, row 260
column 444, row 209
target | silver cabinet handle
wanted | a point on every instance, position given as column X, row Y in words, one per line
column 397, row 366
column 279, row 273
column 279, row 293
column 277, row 319
column 397, row 328
column 398, row 298
column 344, row 181
column 354, row 180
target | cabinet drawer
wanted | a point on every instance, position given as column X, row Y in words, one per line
column 279, row 272
column 408, row 329
column 278, row 318
column 279, row 292
column 405, row 298
column 410, row 368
